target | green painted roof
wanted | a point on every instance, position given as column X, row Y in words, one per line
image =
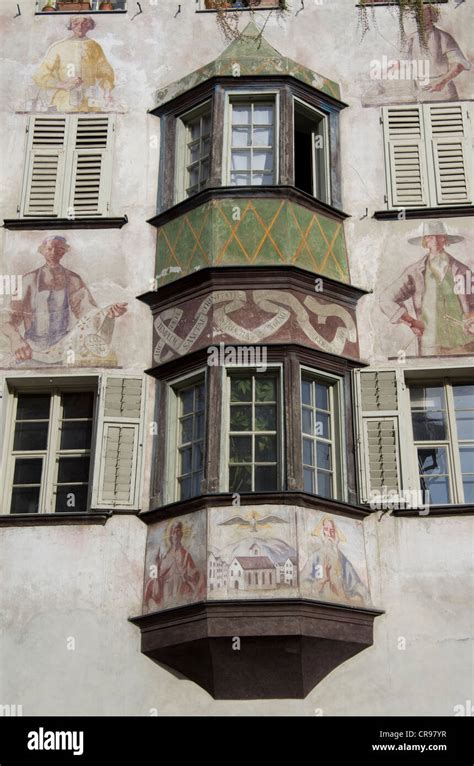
column 254, row 56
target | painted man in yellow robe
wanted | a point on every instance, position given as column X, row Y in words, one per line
column 76, row 72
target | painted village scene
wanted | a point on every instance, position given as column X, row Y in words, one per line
column 276, row 551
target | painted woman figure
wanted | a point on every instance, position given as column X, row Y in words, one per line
column 74, row 68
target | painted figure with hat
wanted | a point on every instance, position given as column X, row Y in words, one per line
column 428, row 298
column 56, row 303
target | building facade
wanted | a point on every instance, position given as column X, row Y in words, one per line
column 236, row 358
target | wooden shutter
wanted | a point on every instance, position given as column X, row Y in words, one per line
column 378, row 406
column 118, row 447
column 405, row 156
column 44, row 169
column 91, row 150
column 447, row 140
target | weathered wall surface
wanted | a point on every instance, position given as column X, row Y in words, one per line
column 417, row 567
column 82, row 583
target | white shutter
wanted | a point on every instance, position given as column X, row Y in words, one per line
column 447, row 139
column 118, row 446
column 405, row 156
column 378, row 398
column 91, row 149
column 44, row 169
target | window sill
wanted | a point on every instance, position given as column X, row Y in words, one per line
column 454, row 211
column 53, row 519
column 391, row 3
column 78, row 13
column 40, row 224
column 246, row 10
column 220, row 499
column 438, row 510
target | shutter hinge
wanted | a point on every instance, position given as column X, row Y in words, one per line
column 385, row 198
column 27, row 129
column 17, row 208
column 381, row 119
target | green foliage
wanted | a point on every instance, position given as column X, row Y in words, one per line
column 407, row 9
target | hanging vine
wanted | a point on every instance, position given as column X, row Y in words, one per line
column 407, row 10
column 228, row 16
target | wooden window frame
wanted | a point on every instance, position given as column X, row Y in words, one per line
column 451, row 443
column 52, row 451
column 227, row 372
column 338, row 441
column 325, row 196
column 173, row 387
column 39, row 5
column 250, row 96
column 182, row 127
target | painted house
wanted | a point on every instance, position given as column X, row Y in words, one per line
column 309, row 207
column 252, row 573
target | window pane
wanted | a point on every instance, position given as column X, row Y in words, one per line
column 438, row 488
column 428, row 415
column 240, row 179
column 308, row 458
column 241, row 389
column 199, row 397
column 240, row 417
column 308, row 476
column 185, row 488
column 307, row 421
column 259, row 179
column 265, row 478
column 31, row 436
column 263, row 114
column 265, row 417
column 195, row 129
column 77, row 405
column 241, row 137
column 25, row 500
column 206, row 124
column 33, row 407
column 240, row 160
column 73, row 469
column 198, row 456
column 322, row 427
column 322, row 396
column 240, row 449
column 468, row 485
column 323, row 453
column 186, row 460
column 199, row 426
column 262, row 160
column 194, row 152
column 262, row 136
column 241, row 114
column 187, row 430
column 196, row 483
column 306, row 392
column 71, row 499
column 467, row 459
column 240, row 478
column 28, row 471
column 324, row 484
column 265, row 449
column 432, row 461
column 265, row 389
column 463, row 397
column 204, row 171
column 465, row 424
column 76, row 435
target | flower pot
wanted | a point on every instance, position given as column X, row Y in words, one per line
column 105, row 6
column 65, row 6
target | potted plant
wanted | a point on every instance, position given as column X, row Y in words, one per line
column 106, row 6
column 49, row 7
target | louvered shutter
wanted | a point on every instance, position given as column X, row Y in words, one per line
column 447, row 140
column 118, row 449
column 378, row 396
column 405, row 156
column 44, row 170
column 91, row 150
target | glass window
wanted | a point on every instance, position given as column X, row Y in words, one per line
column 198, row 144
column 443, row 432
column 190, row 443
column 252, row 143
column 319, row 436
column 254, row 432
column 311, row 152
column 51, row 452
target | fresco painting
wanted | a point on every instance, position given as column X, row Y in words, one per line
column 74, row 74
column 175, row 562
column 332, row 558
column 255, row 316
column 252, row 552
column 434, row 69
column 433, row 297
column 55, row 319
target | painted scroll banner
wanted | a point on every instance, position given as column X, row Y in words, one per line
column 242, row 316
